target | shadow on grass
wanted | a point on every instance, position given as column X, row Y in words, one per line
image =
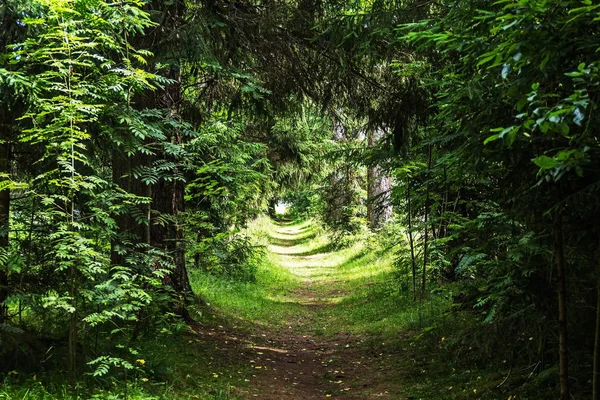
column 336, row 272
column 326, row 248
column 352, row 260
column 286, row 221
column 281, row 242
column 293, row 240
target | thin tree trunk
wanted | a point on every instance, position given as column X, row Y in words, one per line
column 441, row 231
column 379, row 207
column 562, row 308
column 425, row 246
column 181, row 279
column 4, row 225
column 411, row 243
column 426, row 236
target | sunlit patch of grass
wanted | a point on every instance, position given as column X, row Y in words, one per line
column 359, row 279
column 243, row 301
column 268, row 300
column 370, row 302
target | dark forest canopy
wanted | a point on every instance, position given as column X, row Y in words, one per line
column 139, row 139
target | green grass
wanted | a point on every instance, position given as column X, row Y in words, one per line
column 360, row 279
column 263, row 302
column 247, row 302
column 179, row 366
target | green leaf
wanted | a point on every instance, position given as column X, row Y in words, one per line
column 545, row 162
column 563, row 128
column 492, row 138
column 486, row 58
column 528, row 124
column 511, row 136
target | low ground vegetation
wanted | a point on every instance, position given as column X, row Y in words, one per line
column 346, row 303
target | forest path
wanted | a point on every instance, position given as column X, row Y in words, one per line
column 298, row 360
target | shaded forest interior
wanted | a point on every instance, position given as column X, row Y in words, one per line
column 430, row 170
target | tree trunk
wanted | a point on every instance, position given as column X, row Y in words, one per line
column 168, row 199
column 4, row 222
column 411, row 242
column 271, row 208
column 168, row 196
column 169, row 237
column 72, row 339
column 338, row 191
column 425, row 245
column 379, row 207
column 563, row 370
column 426, row 235
column 442, row 226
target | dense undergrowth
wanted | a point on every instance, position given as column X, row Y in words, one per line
column 435, row 350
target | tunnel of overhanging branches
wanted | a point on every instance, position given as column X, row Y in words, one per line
column 141, row 141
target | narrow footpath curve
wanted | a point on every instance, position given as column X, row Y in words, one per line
column 298, row 361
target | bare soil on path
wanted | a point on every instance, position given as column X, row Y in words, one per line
column 294, row 362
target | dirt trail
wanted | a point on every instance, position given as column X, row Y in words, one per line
column 296, row 363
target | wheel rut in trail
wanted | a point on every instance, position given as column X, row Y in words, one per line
column 293, row 362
